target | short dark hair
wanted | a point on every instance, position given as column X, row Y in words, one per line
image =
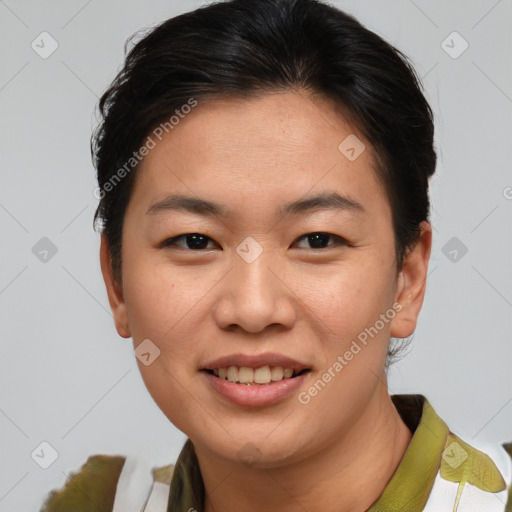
column 251, row 47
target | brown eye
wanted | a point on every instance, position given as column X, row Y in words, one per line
column 320, row 240
column 192, row 241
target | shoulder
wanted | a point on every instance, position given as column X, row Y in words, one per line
column 473, row 474
column 95, row 486
column 508, row 449
column 92, row 487
column 487, row 465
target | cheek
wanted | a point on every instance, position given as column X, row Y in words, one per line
column 158, row 300
column 350, row 299
column 349, row 307
column 159, row 310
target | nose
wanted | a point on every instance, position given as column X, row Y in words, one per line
column 254, row 296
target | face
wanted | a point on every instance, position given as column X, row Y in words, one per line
column 283, row 249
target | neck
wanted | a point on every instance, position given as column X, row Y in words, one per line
column 349, row 474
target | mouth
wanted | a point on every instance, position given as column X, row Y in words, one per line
column 260, row 376
column 262, row 384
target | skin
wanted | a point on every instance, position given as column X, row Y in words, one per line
column 253, row 155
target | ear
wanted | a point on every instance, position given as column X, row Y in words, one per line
column 114, row 291
column 411, row 285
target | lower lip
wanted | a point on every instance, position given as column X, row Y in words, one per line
column 255, row 395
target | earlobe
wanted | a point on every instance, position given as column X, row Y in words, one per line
column 114, row 291
column 412, row 285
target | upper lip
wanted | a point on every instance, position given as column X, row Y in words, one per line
column 255, row 361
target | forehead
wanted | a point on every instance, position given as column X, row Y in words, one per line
column 276, row 146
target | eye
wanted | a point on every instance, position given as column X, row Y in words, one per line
column 320, row 240
column 198, row 241
column 193, row 241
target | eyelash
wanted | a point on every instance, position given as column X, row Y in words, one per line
column 171, row 242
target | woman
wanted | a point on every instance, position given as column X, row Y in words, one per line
column 263, row 172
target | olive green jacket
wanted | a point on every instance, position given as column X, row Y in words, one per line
column 439, row 472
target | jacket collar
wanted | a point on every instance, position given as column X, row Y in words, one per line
column 408, row 489
column 410, row 485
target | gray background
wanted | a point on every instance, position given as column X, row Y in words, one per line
column 68, row 379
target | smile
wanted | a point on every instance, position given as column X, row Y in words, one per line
column 253, row 394
column 263, row 375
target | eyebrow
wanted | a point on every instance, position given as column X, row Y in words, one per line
column 322, row 201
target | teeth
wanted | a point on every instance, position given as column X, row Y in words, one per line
column 233, row 374
column 277, row 373
column 245, row 375
column 262, row 375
